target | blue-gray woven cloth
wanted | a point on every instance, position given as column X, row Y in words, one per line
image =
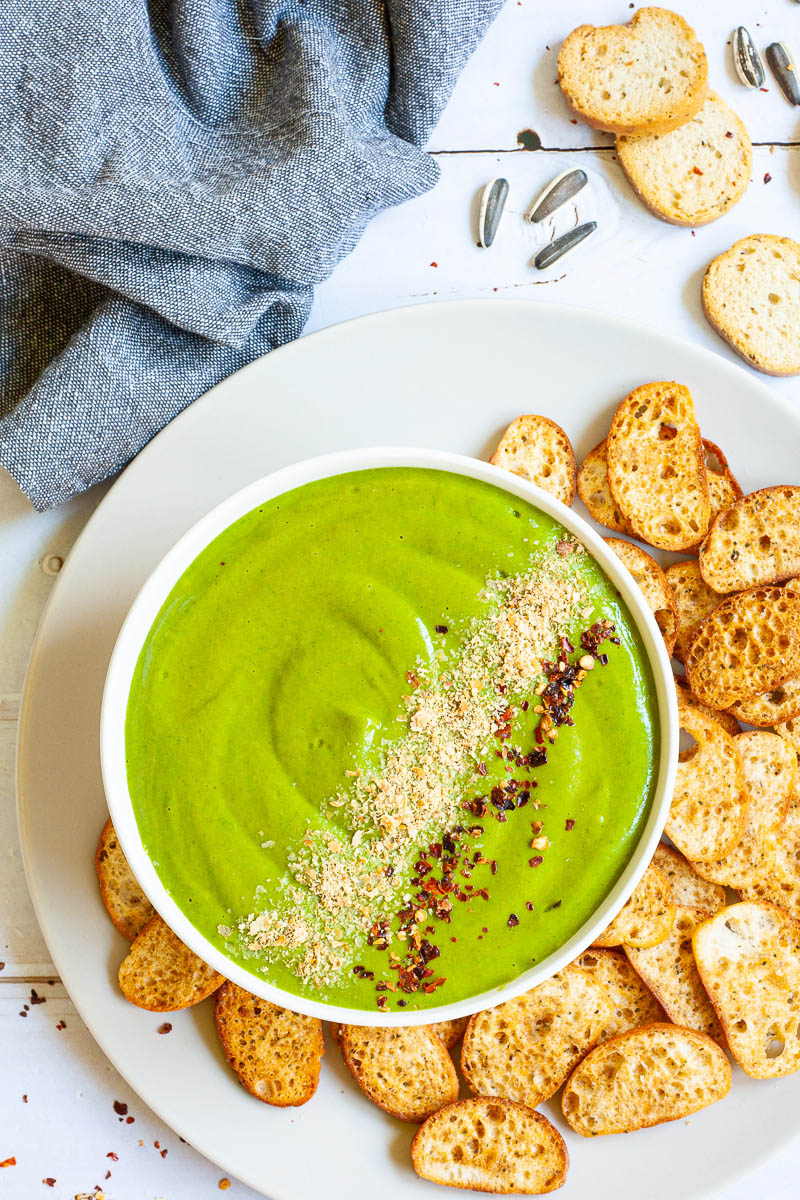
column 175, row 177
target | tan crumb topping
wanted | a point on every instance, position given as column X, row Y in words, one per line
column 341, row 884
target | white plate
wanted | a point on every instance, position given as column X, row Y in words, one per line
column 448, row 376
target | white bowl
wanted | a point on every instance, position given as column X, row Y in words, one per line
column 146, row 607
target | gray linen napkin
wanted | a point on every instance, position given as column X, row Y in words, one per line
column 175, row 177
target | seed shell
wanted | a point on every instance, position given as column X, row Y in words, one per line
column 558, row 192
column 747, row 60
column 782, row 66
column 562, row 245
column 493, row 201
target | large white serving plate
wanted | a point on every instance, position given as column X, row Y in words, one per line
column 447, row 376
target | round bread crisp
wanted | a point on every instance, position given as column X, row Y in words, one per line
column 406, row 1071
column 723, row 486
column 688, row 888
column 162, row 974
column 595, row 493
column 669, row 970
column 646, row 77
column 275, row 1053
column 633, row 1002
column 125, row 902
column 748, row 957
column 693, row 174
column 780, row 884
column 652, row 583
column 694, row 600
column 451, row 1032
column 749, row 644
column 490, row 1145
column 754, row 541
column 646, row 919
column 770, row 708
column 656, row 467
column 751, row 297
column 645, row 1077
column 524, row 1049
column 728, row 722
column 537, row 449
column 769, row 770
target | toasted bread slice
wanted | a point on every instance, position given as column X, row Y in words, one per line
column 725, row 719
column 647, row 917
column 652, row 583
column 125, row 902
column 780, row 884
column 688, row 888
column 595, row 493
column 723, row 486
column 694, row 174
column 790, row 731
column 669, row 970
column 769, row 768
column 537, row 449
column 754, row 542
column 275, row 1053
column 451, row 1032
column 694, row 600
column 161, row 974
column 645, row 1077
column 524, row 1049
column 656, row 466
column 748, row 957
column 632, row 1001
column 751, row 297
column 748, row 645
column 490, row 1145
column 646, row 77
column 709, row 804
column 407, row 1072
column 771, row 708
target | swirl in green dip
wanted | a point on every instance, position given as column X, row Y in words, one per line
column 289, row 683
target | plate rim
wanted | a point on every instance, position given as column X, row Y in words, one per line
column 669, row 341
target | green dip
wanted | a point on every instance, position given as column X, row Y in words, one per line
column 279, row 662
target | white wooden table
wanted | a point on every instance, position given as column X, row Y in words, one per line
column 57, row 1116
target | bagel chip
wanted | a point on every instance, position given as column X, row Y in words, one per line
column 709, row 804
column 537, row 449
column 524, row 1049
column 748, row 957
column 275, row 1053
column 645, row 1077
column 646, row 919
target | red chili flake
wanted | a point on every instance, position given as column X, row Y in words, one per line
column 129, row 1120
column 441, row 628
column 108, row 1175
column 61, row 1025
column 164, row 1153
column 25, row 1098
column 434, row 264
column 157, row 1145
column 513, row 920
column 536, row 861
column 9, row 1162
column 569, row 824
column 412, row 679
column 36, row 998
column 113, row 1156
column 481, row 769
column 697, row 171
column 120, row 1108
column 2, row 966
column 50, row 1182
column 529, row 905
column 729, row 134
column 23, row 1013
column 165, row 1028
column 767, row 178
column 556, row 904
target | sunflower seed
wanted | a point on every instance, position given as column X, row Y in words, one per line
column 783, row 68
column 562, row 245
column 746, row 59
column 493, row 201
column 558, row 192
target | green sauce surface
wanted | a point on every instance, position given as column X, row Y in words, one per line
column 278, row 662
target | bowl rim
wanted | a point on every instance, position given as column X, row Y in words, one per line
column 165, row 575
